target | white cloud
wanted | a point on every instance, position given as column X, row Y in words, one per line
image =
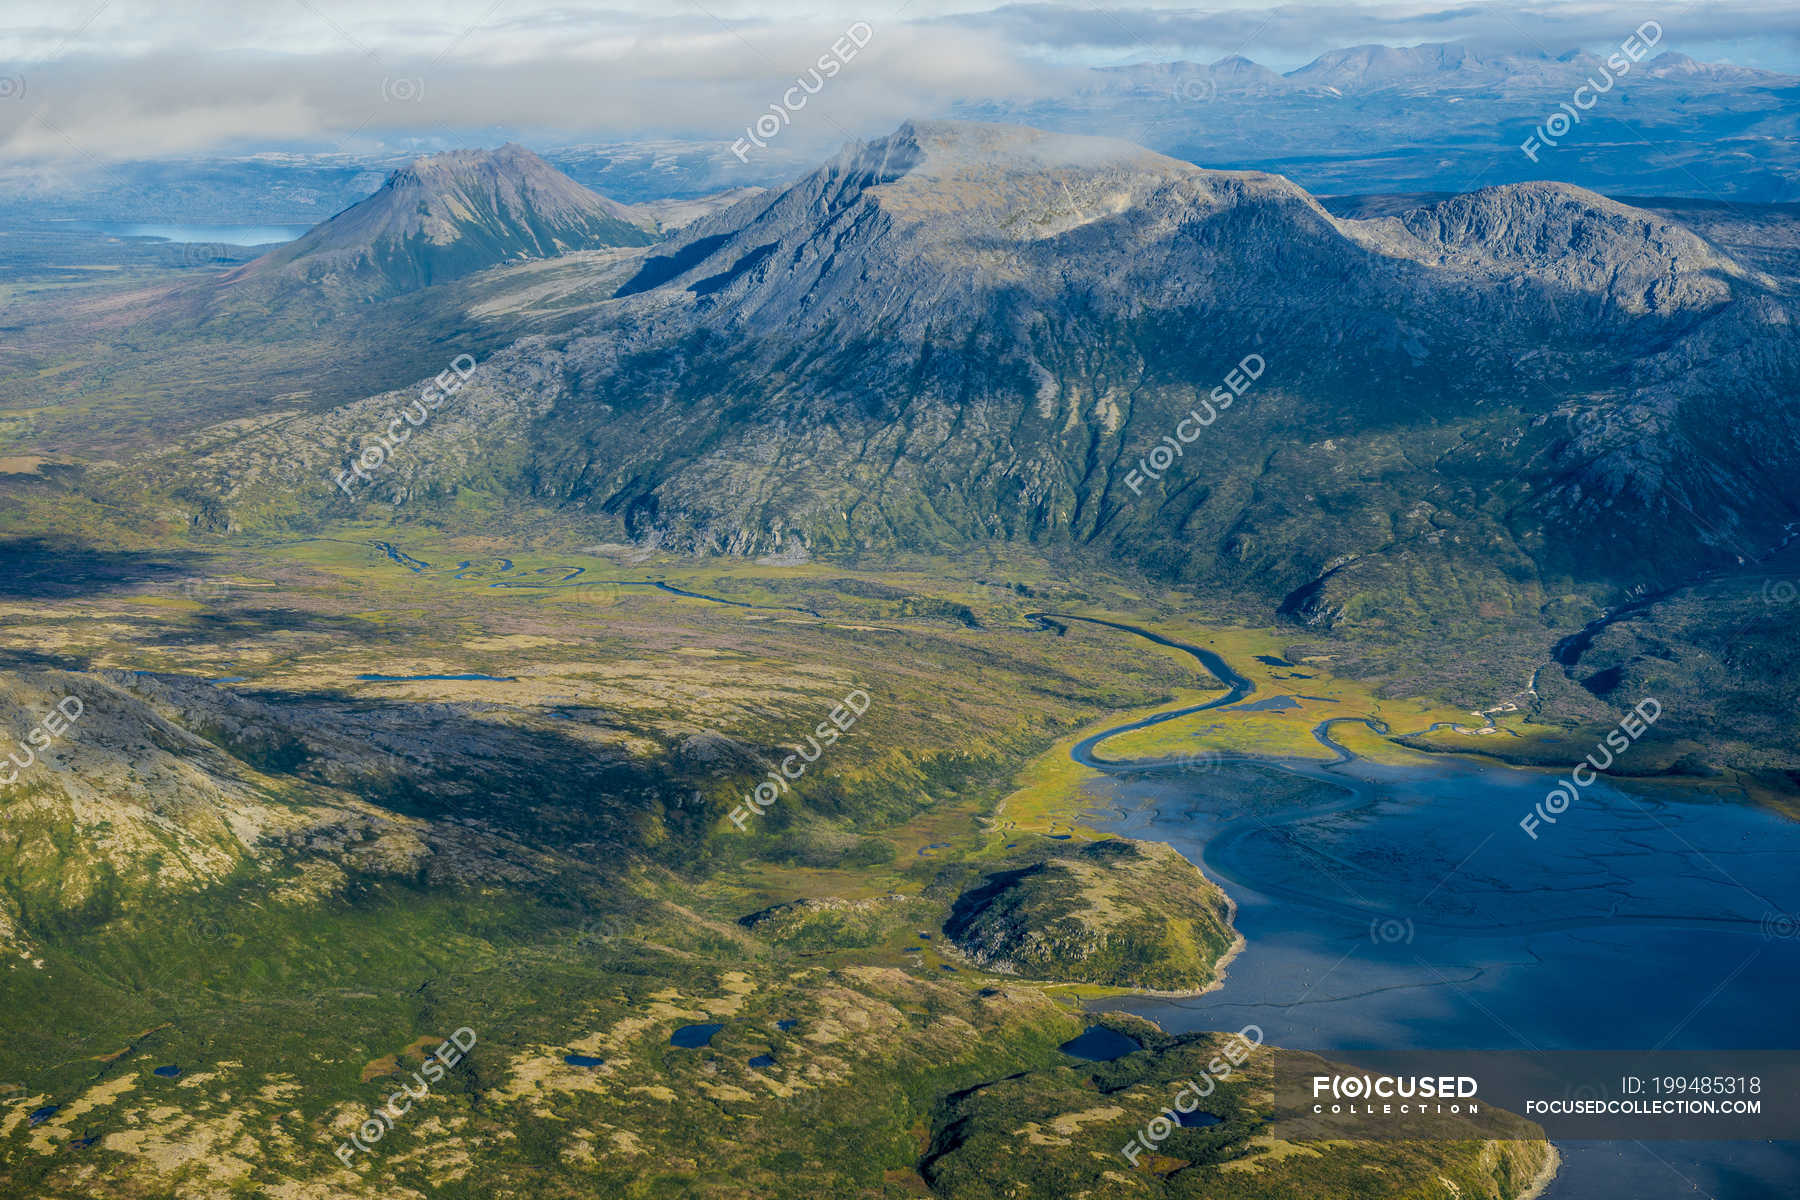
column 129, row 78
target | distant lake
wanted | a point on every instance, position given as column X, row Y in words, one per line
column 230, row 235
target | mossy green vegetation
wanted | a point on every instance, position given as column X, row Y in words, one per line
column 1115, row 912
column 1078, row 1130
column 545, row 857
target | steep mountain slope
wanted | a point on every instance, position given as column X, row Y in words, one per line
column 962, row 332
column 448, row 215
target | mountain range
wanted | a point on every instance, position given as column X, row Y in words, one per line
column 962, row 332
column 432, row 695
column 1362, row 70
column 1355, row 119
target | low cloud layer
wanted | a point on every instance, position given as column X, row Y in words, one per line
column 124, row 79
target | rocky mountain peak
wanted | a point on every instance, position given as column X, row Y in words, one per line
column 447, row 215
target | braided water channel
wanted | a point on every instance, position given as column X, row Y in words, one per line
column 1394, row 906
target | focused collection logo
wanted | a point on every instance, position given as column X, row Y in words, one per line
column 1376, row 1095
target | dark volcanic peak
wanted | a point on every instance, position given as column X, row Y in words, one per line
column 941, row 212
column 930, row 224
column 448, row 215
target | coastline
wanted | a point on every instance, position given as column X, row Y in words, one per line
column 1546, row 1174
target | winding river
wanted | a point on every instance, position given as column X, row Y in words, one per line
column 1402, row 907
column 499, row 572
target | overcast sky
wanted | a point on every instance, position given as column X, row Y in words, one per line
column 86, row 79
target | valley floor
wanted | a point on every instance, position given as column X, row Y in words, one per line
column 332, row 800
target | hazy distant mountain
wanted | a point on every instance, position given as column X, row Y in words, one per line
column 449, row 215
column 1445, row 117
column 1357, row 70
column 1360, row 67
column 1679, row 66
column 1234, row 75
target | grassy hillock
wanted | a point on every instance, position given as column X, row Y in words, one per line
column 1118, row 913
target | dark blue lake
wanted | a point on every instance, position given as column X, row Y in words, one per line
column 1097, row 1043
column 1404, row 908
column 1197, row 1120
column 692, row 1037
